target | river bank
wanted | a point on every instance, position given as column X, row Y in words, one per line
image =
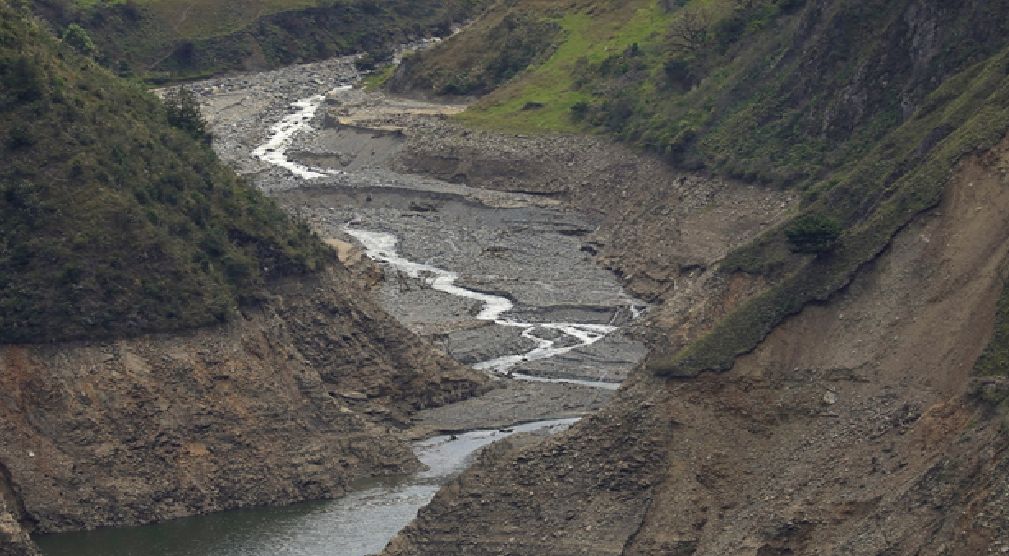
column 289, row 133
column 497, row 280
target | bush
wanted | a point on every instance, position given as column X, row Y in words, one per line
column 813, row 233
column 579, row 110
column 183, row 112
column 77, row 38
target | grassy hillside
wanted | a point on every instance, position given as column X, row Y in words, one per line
column 114, row 221
column 173, row 39
column 864, row 106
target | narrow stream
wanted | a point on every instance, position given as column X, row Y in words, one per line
column 363, row 521
column 274, row 151
column 382, row 247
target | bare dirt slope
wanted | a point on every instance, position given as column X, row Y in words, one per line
column 849, row 430
column 293, row 401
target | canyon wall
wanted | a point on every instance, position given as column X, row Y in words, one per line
column 292, row 401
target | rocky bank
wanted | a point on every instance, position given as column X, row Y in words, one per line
column 852, row 429
column 295, row 400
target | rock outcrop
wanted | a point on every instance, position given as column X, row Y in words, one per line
column 13, row 539
column 292, row 401
column 849, row 430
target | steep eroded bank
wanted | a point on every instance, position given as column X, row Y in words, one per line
column 849, row 430
column 291, row 402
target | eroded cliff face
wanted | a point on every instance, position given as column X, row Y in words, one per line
column 292, row 401
column 851, row 429
column 14, row 540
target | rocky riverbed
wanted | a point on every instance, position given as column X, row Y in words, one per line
column 562, row 340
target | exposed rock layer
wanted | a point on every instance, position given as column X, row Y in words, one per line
column 847, row 431
column 290, row 402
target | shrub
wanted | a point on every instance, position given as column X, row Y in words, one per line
column 77, row 38
column 812, row 233
column 183, row 112
column 579, row 110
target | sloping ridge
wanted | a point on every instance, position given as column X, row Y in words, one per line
column 183, row 346
column 846, row 420
column 848, row 430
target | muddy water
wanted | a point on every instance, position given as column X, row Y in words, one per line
column 498, row 280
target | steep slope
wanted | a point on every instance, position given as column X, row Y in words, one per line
column 169, row 39
column 171, row 342
column 137, row 430
column 796, row 403
column 114, row 220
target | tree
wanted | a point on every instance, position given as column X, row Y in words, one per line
column 689, row 32
column 183, row 111
column 78, row 38
column 813, row 233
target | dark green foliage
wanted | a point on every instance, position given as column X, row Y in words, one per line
column 786, row 92
column 579, row 110
column 183, row 111
column 79, row 39
column 135, row 38
column 812, row 233
column 512, row 44
column 112, row 221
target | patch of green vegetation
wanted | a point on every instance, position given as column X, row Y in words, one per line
column 875, row 199
column 167, row 40
column 812, row 233
column 116, row 217
column 378, row 78
column 587, row 39
column 838, row 100
column 994, row 360
column 508, row 43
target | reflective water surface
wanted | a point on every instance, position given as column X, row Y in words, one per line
column 358, row 524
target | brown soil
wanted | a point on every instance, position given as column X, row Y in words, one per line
column 849, row 430
column 294, row 401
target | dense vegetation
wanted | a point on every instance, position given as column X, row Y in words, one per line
column 864, row 106
column 172, row 39
column 114, row 221
column 508, row 43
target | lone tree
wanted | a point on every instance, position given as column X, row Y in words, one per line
column 183, row 111
column 813, row 233
column 79, row 40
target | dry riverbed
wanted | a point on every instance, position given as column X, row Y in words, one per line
column 330, row 154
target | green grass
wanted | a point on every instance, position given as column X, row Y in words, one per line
column 377, row 79
column 788, row 93
column 585, row 37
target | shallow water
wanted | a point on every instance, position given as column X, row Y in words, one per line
column 358, row 524
column 381, row 246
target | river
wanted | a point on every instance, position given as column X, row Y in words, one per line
column 498, row 280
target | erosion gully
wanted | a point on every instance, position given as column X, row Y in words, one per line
column 498, row 280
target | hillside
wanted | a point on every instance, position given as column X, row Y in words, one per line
column 824, row 387
column 115, row 221
column 171, row 39
column 172, row 343
column 863, row 109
